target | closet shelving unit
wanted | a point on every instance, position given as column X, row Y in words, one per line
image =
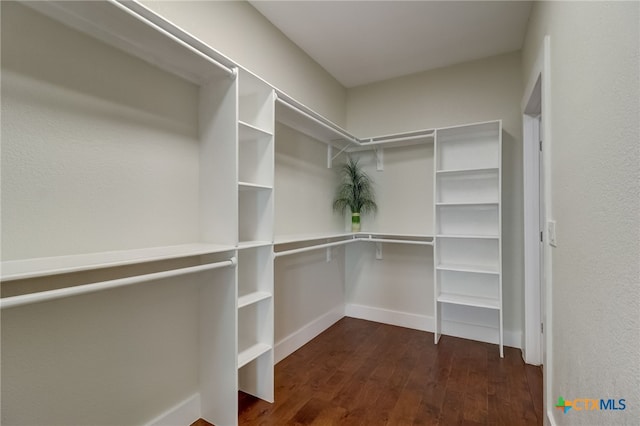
column 255, row 221
column 468, row 248
column 304, row 120
column 214, row 207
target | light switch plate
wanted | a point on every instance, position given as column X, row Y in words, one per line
column 551, row 232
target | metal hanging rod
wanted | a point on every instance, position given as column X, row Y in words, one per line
column 388, row 240
column 134, row 9
column 284, row 101
column 314, row 247
column 43, row 296
column 373, row 141
column 351, row 240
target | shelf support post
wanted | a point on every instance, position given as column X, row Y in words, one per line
column 379, row 251
column 379, row 159
column 329, row 156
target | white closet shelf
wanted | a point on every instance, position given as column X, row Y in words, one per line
column 483, row 237
column 392, row 235
column 469, row 268
column 249, row 132
column 253, row 244
column 360, row 236
column 251, row 298
column 46, row 266
column 306, row 121
column 489, row 203
column 252, row 353
column 398, row 140
column 461, row 299
column 468, row 171
column 165, row 45
column 301, row 238
column 248, row 186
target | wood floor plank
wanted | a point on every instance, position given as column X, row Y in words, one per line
column 364, row 373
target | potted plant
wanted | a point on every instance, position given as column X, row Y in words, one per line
column 354, row 192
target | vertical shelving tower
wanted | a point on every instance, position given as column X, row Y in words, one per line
column 256, row 116
column 468, row 221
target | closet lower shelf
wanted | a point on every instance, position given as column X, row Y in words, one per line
column 47, row 266
column 252, row 298
column 252, row 353
column 460, row 299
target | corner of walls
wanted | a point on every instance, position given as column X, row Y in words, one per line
column 264, row 50
column 482, row 90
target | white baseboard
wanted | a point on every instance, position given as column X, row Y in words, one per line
column 480, row 333
column 426, row 323
column 297, row 339
column 387, row 316
column 184, row 413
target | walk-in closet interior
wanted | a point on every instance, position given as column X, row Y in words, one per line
column 167, row 225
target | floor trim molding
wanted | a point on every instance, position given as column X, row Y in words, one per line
column 183, row 413
column 297, row 339
column 426, row 323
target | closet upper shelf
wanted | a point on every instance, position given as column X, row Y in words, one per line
column 47, row 266
column 311, row 124
column 300, row 118
column 136, row 30
column 396, row 140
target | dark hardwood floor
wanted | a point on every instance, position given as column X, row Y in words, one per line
column 365, row 373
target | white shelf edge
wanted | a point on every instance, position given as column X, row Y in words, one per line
column 252, row 298
column 421, row 132
column 252, row 353
column 390, row 234
column 253, row 244
column 254, row 129
column 493, row 203
column 478, row 237
column 453, row 133
column 305, row 120
column 247, row 186
column 394, row 241
column 358, row 235
column 290, row 239
column 476, row 301
column 114, row 28
column 468, row 171
column 472, row 269
column 56, row 265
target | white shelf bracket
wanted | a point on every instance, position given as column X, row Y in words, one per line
column 329, row 254
column 379, row 159
column 330, row 158
column 379, row 251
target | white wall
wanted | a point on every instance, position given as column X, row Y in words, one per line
column 116, row 357
column 91, row 145
column 595, row 191
column 482, row 90
column 305, row 187
column 238, row 31
column 309, row 291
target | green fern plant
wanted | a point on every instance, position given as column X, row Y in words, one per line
column 355, row 192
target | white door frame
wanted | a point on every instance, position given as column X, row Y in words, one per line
column 536, row 101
